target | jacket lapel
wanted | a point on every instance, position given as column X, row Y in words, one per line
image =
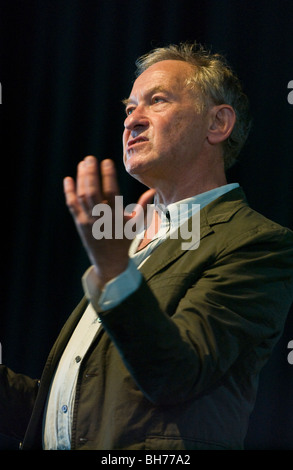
column 219, row 211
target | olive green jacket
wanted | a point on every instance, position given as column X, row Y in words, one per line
column 176, row 364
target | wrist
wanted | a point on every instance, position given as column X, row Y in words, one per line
column 107, row 273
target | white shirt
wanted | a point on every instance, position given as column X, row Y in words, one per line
column 59, row 410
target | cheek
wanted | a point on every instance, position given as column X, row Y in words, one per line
column 166, row 132
column 179, row 132
column 188, row 127
column 124, row 139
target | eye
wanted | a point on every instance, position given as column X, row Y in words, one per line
column 129, row 110
column 158, row 99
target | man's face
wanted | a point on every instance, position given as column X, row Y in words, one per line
column 164, row 130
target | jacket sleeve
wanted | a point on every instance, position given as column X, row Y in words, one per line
column 17, row 397
column 232, row 314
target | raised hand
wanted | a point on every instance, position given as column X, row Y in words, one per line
column 96, row 186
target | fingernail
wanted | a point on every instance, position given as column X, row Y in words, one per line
column 90, row 160
column 107, row 162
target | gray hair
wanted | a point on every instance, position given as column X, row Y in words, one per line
column 218, row 85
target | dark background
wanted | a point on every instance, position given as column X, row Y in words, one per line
column 65, row 66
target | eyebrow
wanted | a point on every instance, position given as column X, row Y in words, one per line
column 149, row 92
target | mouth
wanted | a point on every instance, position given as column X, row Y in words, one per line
column 132, row 143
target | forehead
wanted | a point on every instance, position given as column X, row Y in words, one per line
column 166, row 74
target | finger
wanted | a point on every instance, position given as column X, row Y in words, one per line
column 80, row 182
column 92, row 184
column 70, row 195
column 87, row 183
column 109, row 181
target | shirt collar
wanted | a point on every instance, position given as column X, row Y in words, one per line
column 175, row 214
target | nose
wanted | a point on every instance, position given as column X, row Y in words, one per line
column 136, row 120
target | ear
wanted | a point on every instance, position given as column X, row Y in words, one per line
column 222, row 121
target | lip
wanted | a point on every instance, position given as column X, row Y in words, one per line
column 137, row 140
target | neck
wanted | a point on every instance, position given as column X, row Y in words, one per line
column 176, row 190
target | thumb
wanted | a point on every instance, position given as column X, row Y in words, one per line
column 146, row 198
column 140, row 207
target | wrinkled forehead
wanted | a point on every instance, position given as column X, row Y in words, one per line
column 166, row 74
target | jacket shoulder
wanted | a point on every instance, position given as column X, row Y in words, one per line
column 244, row 221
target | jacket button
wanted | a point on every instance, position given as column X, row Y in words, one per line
column 77, row 359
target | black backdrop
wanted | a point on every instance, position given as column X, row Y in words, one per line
column 65, row 66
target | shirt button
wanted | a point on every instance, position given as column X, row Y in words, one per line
column 64, row 409
column 77, row 359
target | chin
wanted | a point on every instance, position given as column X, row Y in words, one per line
column 143, row 167
column 138, row 171
column 134, row 164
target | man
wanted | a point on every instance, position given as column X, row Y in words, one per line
column 165, row 350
